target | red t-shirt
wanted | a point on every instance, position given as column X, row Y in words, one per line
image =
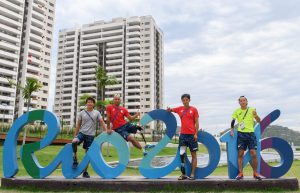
column 117, row 120
column 188, row 119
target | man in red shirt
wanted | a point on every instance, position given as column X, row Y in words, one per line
column 115, row 120
column 188, row 133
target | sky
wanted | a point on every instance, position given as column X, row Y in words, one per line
column 215, row 50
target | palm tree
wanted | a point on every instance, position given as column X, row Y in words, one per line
column 103, row 80
column 31, row 85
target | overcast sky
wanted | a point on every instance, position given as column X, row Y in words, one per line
column 214, row 50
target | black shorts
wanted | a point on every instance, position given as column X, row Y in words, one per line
column 86, row 139
column 126, row 129
column 188, row 141
column 246, row 140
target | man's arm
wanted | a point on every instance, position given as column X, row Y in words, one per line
column 256, row 117
column 103, row 124
column 232, row 127
column 77, row 127
column 196, row 128
column 132, row 118
column 108, row 129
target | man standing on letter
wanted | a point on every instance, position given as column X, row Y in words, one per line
column 86, row 130
column 188, row 133
column 245, row 136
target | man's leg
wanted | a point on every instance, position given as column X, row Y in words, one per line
column 134, row 142
column 75, row 142
column 194, row 164
column 254, row 160
column 88, row 140
column 240, row 160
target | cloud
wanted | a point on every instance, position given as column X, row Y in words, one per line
column 216, row 51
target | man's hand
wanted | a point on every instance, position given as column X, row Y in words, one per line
column 254, row 113
column 196, row 137
column 231, row 132
column 169, row 109
column 138, row 114
column 109, row 131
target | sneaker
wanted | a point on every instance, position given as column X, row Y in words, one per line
column 257, row 176
column 182, row 177
column 149, row 146
column 75, row 163
column 240, row 176
column 85, row 175
column 145, row 153
column 191, row 177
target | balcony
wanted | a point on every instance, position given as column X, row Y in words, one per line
column 11, row 14
column 36, row 38
column 9, row 63
column 38, row 15
column 133, row 46
column 89, row 47
column 117, row 61
column 137, row 70
column 114, row 55
column 89, row 53
column 117, row 49
column 37, row 23
column 7, row 45
column 89, row 59
column 133, row 97
column 10, row 29
column 134, row 27
column 9, row 55
column 37, row 31
column 138, row 51
column 117, row 67
column 135, row 40
column 134, row 64
column 10, row 21
column 118, row 43
column 34, row 53
column 90, row 64
column 113, row 38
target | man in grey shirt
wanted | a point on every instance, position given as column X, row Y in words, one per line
column 86, row 130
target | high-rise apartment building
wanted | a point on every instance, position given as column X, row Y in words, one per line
column 130, row 49
column 25, row 50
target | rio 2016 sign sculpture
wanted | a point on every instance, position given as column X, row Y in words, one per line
column 94, row 156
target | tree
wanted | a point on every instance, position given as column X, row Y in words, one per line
column 31, row 85
column 82, row 100
column 103, row 80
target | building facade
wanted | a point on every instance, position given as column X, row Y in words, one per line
column 25, row 50
column 130, row 49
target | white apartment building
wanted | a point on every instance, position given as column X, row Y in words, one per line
column 25, row 51
column 130, row 49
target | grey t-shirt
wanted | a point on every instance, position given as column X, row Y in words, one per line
column 88, row 126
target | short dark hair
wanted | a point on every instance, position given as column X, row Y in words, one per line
column 242, row 97
column 186, row 95
column 90, row 99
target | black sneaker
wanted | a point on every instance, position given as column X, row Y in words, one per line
column 85, row 175
column 182, row 177
column 75, row 163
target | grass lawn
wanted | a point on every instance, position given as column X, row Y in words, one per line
column 46, row 155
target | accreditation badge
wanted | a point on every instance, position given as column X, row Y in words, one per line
column 242, row 125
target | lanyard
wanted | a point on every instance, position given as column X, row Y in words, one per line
column 184, row 112
column 115, row 115
column 245, row 114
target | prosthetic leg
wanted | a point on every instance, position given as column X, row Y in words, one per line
column 182, row 157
